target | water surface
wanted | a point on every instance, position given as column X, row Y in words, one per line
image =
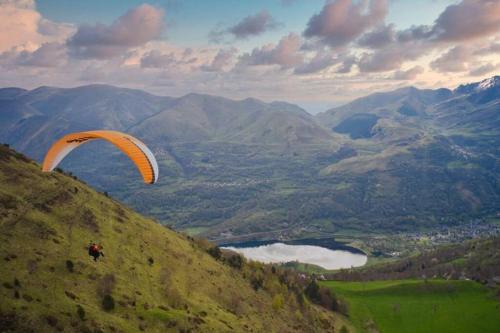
column 309, row 254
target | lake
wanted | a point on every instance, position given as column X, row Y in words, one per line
column 310, row 254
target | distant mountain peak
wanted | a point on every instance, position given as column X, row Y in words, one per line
column 252, row 100
column 11, row 92
column 485, row 84
column 488, row 83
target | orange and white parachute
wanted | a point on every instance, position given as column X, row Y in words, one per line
column 132, row 147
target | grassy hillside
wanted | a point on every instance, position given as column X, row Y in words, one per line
column 151, row 278
column 419, row 306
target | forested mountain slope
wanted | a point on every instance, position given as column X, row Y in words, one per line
column 395, row 161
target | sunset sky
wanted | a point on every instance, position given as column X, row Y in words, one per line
column 312, row 52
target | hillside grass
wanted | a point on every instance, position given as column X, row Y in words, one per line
column 415, row 306
column 158, row 280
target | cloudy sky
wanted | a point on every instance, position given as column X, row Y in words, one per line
column 312, row 52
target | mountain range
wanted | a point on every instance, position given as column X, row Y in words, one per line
column 401, row 160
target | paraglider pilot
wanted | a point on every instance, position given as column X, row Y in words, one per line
column 95, row 251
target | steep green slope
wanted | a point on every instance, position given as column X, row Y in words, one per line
column 151, row 278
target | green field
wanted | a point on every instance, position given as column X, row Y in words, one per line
column 417, row 306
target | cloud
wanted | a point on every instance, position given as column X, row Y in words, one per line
column 455, row 60
column 465, row 22
column 29, row 40
column 286, row 54
column 18, row 25
column 382, row 36
column 468, row 19
column 415, row 33
column 319, row 62
column 135, row 28
column 221, row 60
column 47, row 55
column 157, row 59
column 493, row 48
column 22, row 27
column 347, row 65
column 53, row 29
column 410, row 74
column 484, row 69
column 390, row 58
column 342, row 21
column 173, row 61
column 252, row 25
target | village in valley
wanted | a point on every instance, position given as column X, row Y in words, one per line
column 403, row 244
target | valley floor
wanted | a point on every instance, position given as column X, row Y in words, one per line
column 424, row 306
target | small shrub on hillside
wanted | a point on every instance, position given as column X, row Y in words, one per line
column 70, row 266
column 342, row 307
column 235, row 304
column 299, row 296
column 312, row 291
column 89, row 220
column 283, row 278
column 298, row 316
column 325, row 297
column 108, row 303
column 202, row 243
column 344, row 329
column 174, row 298
column 257, row 282
column 7, row 285
column 80, row 311
column 151, row 261
column 215, row 252
column 235, row 261
column 106, row 284
column 31, row 266
column 8, row 202
column 51, row 320
column 278, row 302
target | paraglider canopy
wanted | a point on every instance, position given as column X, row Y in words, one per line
column 132, row 147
